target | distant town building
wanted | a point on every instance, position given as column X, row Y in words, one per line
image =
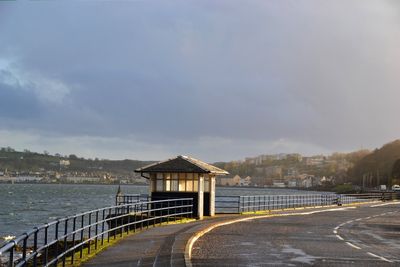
column 20, row 179
column 64, row 163
column 293, row 183
column 292, row 172
column 278, row 183
column 273, row 171
column 314, row 161
column 230, row 181
column 82, row 179
column 246, row 181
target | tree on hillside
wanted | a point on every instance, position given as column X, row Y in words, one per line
column 396, row 170
column 377, row 165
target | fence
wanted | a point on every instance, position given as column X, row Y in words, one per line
column 121, row 199
column 241, row 204
column 67, row 240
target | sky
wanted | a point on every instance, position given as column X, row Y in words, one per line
column 217, row 80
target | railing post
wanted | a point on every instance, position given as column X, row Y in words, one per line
column 24, row 248
column 11, row 257
column 46, row 250
column 73, row 239
column 81, row 248
column 89, row 232
column 168, row 211
column 162, row 211
column 128, row 210
column 65, row 241
column 274, row 201
column 181, row 209
column 56, row 238
column 174, row 210
column 103, row 226
column 238, row 205
column 191, row 209
column 135, row 217
column 35, row 237
column 115, row 223
column 140, row 211
column 96, row 230
column 264, row 207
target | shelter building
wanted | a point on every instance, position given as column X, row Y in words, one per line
column 184, row 177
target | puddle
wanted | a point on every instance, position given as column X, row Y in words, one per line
column 301, row 256
column 247, row 244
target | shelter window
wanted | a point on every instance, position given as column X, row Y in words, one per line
column 189, row 182
column 206, row 183
column 153, row 180
column 167, row 177
column 159, row 182
column 182, row 182
column 174, row 182
column 196, row 182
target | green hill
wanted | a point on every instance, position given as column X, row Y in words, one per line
column 26, row 161
column 376, row 167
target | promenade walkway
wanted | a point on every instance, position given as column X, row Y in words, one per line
column 158, row 246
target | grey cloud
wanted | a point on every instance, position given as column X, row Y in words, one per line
column 318, row 73
column 17, row 105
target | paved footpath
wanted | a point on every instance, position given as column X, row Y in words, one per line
column 158, row 246
column 366, row 235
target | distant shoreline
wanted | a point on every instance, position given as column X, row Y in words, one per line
column 138, row 184
column 8, row 182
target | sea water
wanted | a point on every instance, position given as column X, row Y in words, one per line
column 24, row 206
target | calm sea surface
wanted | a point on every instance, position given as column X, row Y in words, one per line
column 23, row 206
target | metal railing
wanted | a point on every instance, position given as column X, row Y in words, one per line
column 135, row 198
column 241, row 204
column 382, row 196
column 66, row 240
column 121, row 199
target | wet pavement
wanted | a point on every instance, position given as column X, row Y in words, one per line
column 366, row 235
column 160, row 246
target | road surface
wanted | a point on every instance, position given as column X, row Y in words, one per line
column 367, row 235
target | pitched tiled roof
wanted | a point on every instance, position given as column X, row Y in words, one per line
column 182, row 164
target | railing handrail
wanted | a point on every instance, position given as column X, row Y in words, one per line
column 90, row 221
column 239, row 204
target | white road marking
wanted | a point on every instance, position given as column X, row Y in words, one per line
column 386, row 204
column 352, row 245
column 335, row 230
column 379, row 257
column 341, row 238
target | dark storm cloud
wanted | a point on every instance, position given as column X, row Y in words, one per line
column 11, row 98
column 183, row 76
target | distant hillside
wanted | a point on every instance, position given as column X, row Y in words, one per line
column 264, row 169
column 27, row 161
column 376, row 167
